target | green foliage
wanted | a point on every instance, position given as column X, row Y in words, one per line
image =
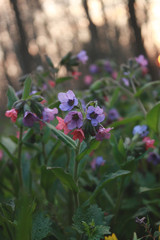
column 62, row 79
column 147, row 85
column 153, row 118
column 41, row 226
column 64, row 177
column 27, row 87
column 93, row 145
column 106, row 179
column 12, row 98
column 64, row 138
column 87, row 219
column 126, row 121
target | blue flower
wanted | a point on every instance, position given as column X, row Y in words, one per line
column 97, row 162
column 141, row 130
column 68, row 100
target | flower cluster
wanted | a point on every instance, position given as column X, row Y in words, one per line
column 30, row 117
column 79, row 118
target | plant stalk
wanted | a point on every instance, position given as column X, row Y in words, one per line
column 19, row 165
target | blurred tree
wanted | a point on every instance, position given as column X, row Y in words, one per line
column 137, row 39
column 26, row 59
column 93, row 32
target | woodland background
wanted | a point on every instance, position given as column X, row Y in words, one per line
column 112, row 29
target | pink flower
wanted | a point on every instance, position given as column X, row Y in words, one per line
column 144, row 70
column 1, row 154
column 18, row 134
column 78, row 134
column 88, row 79
column 43, row 101
column 93, row 164
column 62, row 125
column 106, row 99
column 148, row 142
column 13, row 113
column 76, row 74
column 114, row 75
column 51, row 83
column 103, row 133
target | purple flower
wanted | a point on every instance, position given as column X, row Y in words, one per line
column 95, row 114
column 44, row 87
column 33, row 92
column 74, row 119
column 126, row 82
column 113, row 114
column 141, row 130
column 142, row 60
column 153, row 158
column 49, row 114
column 103, row 133
column 68, row 100
column 29, row 119
column 97, row 162
column 108, row 67
column 93, row 68
column 82, row 56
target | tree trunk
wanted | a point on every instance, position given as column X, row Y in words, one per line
column 26, row 59
column 138, row 43
column 93, row 32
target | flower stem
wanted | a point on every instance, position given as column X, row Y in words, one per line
column 138, row 99
column 44, row 153
column 76, row 196
column 19, row 165
column 68, row 158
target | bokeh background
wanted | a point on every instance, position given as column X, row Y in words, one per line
column 111, row 29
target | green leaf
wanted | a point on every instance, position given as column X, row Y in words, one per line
column 97, row 85
column 9, row 153
column 156, row 234
column 64, row 177
column 49, row 61
column 27, row 87
column 126, row 121
column 63, row 137
column 106, row 179
column 114, row 97
column 24, row 217
column 41, row 226
column 146, row 189
column 12, row 98
column 63, row 79
column 121, row 148
column 87, row 215
column 153, row 118
column 115, row 148
column 94, row 144
column 135, row 236
column 147, row 85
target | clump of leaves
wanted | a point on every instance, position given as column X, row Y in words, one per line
column 90, row 222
